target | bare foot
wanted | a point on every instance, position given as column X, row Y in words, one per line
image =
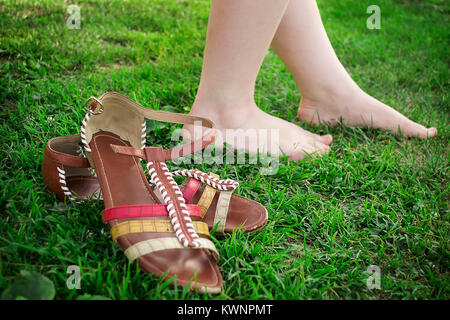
column 245, row 120
column 359, row 109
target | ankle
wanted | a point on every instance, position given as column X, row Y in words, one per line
column 223, row 110
column 332, row 93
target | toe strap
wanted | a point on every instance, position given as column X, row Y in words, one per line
column 211, row 180
column 206, row 199
column 147, row 210
column 138, row 226
column 213, row 184
column 220, row 218
column 152, row 245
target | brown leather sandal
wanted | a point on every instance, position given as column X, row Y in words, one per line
column 67, row 173
column 167, row 238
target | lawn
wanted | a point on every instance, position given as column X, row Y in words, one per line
column 375, row 199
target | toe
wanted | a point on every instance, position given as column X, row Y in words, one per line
column 326, row 139
column 432, row 132
column 313, row 149
column 413, row 129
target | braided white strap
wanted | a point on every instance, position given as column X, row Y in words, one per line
column 143, row 134
column 83, row 131
column 192, row 238
column 223, row 185
column 63, row 183
column 152, row 245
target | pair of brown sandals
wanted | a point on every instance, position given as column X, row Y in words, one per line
column 163, row 225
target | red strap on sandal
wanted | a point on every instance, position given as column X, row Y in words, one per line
column 140, row 211
column 191, row 189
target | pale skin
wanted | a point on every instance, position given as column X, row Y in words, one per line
column 238, row 37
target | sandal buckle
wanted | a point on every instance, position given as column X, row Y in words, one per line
column 94, row 111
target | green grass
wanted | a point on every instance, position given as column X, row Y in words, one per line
column 375, row 199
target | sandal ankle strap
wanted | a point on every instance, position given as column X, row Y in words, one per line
column 95, row 107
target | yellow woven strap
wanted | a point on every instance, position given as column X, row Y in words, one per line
column 152, row 245
column 136, row 226
column 207, row 196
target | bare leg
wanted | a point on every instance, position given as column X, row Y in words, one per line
column 239, row 35
column 328, row 92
